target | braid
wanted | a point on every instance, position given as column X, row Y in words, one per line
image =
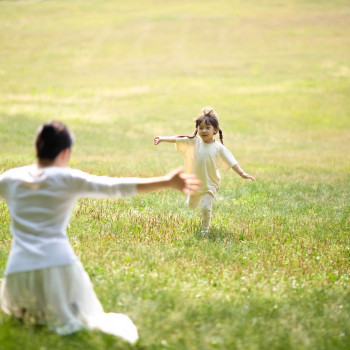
column 221, row 137
column 190, row 137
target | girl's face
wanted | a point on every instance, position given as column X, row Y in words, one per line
column 206, row 132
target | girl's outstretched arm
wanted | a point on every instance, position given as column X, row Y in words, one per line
column 241, row 172
column 176, row 179
column 158, row 139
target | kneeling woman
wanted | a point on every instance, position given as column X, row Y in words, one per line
column 44, row 280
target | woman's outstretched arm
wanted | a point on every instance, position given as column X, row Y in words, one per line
column 176, row 179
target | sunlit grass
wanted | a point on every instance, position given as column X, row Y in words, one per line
column 274, row 273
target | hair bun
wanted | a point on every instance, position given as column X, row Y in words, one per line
column 207, row 110
column 51, row 139
column 48, row 131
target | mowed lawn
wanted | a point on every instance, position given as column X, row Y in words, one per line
column 274, row 273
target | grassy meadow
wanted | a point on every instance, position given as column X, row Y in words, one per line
column 275, row 272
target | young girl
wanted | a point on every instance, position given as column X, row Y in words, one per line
column 44, row 280
column 204, row 156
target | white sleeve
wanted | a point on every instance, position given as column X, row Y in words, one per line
column 182, row 143
column 227, row 160
column 84, row 184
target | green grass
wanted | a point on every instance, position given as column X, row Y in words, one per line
column 275, row 272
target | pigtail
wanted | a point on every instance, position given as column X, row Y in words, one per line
column 194, row 134
column 221, row 136
column 190, row 137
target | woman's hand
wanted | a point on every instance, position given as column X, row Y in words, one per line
column 176, row 179
column 186, row 183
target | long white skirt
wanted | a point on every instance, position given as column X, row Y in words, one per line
column 62, row 298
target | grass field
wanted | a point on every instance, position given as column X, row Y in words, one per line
column 275, row 272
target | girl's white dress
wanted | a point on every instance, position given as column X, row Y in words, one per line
column 44, row 281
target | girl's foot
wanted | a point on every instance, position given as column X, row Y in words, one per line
column 204, row 233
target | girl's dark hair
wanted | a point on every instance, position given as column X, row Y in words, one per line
column 209, row 116
column 51, row 139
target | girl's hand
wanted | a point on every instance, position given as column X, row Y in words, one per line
column 186, row 183
column 157, row 140
column 247, row 176
column 242, row 173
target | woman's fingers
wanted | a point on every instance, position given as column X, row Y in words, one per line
column 187, row 183
column 192, row 183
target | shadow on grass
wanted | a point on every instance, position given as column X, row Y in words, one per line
column 219, row 234
column 14, row 334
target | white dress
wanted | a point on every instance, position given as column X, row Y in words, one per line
column 44, row 282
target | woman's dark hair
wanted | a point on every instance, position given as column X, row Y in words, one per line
column 209, row 116
column 52, row 138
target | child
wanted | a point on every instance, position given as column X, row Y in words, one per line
column 204, row 156
column 44, row 280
